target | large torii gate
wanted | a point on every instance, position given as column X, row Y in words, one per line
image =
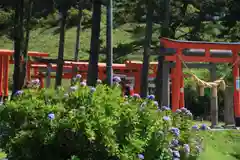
column 196, row 51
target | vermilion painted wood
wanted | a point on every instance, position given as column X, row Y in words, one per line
column 207, row 46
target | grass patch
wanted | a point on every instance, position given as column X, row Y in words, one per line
column 221, row 145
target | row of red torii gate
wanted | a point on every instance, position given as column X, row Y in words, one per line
column 177, row 55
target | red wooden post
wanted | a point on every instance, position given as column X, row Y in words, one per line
column 5, row 74
column 41, row 79
column 174, row 89
column 28, row 71
column 176, row 82
column 1, row 76
column 35, row 71
column 236, row 98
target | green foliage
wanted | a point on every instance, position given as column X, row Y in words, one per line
column 73, row 17
column 6, row 18
column 50, row 21
column 91, row 124
column 75, row 158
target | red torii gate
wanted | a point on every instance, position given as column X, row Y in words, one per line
column 218, row 52
column 5, row 60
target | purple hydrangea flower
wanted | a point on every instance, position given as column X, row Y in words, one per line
column 151, row 97
column 136, row 95
column 165, row 108
column 195, row 127
column 83, row 84
column 117, row 79
column 140, row 156
column 186, row 148
column 18, row 93
column 203, row 127
column 166, row 118
column 184, row 109
column 36, row 82
column 175, row 131
column 78, row 76
column 51, row 116
column 176, row 154
column 178, row 111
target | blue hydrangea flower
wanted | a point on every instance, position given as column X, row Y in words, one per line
column 186, row 148
column 51, row 116
column 78, row 76
column 155, row 103
column 176, row 154
column 18, row 93
column 175, row 131
column 188, row 113
column 166, row 118
column 140, row 156
column 151, row 97
column 165, row 108
column 174, row 142
column 92, row 89
column 83, row 84
column 73, row 88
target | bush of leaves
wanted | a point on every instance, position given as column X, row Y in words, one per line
column 94, row 124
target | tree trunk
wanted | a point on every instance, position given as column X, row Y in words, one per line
column 164, row 33
column 148, row 39
column 25, row 49
column 18, row 31
column 60, row 61
column 95, row 44
column 77, row 46
column 109, row 44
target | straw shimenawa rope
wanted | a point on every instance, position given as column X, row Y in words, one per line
column 220, row 82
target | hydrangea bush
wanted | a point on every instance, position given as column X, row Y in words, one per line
column 95, row 124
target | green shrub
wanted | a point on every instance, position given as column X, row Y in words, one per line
column 93, row 124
